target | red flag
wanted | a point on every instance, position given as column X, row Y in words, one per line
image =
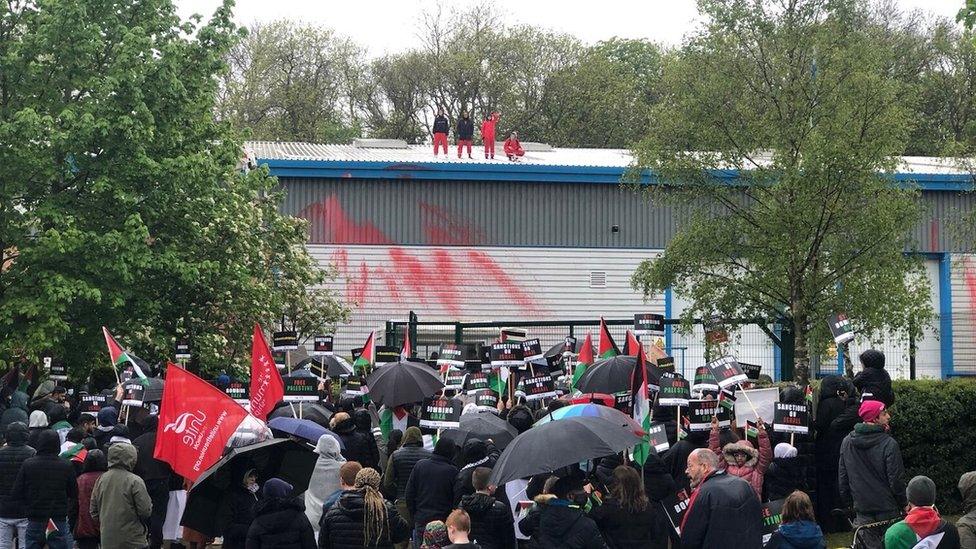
column 267, row 388
column 586, row 351
column 196, row 420
column 632, row 345
column 607, row 347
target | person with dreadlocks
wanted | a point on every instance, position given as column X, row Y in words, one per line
column 363, row 518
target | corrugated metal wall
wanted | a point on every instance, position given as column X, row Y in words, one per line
column 446, row 213
column 964, row 314
column 481, row 284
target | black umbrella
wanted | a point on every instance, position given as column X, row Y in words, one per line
column 482, row 426
column 331, row 366
column 401, row 382
column 311, row 411
column 610, row 375
column 547, row 447
column 286, row 459
column 557, row 349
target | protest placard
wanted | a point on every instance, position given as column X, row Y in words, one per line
column 441, row 413
column 791, row 418
column 701, row 412
column 675, row 391
column 727, row 371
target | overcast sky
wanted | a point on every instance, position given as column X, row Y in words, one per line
column 385, row 26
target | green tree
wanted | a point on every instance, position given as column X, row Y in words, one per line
column 122, row 203
column 796, row 99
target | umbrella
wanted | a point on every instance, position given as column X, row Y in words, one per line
column 311, row 411
column 593, row 410
column 401, row 382
column 610, row 375
column 283, row 458
column 547, row 447
column 302, row 428
column 482, row 426
column 557, row 349
column 330, row 366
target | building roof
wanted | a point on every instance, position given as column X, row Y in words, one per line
column 393, row 159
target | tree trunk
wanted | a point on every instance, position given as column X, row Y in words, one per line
column 801, row 354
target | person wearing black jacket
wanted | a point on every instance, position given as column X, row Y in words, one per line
column 362, row 518
column 873, row 381
column 430, row 489
column 47, row 486
column 236, row 512
column 626, row 518
column 474, row 453
column 465, row 133
column 836, row 417
column 723, row 510
column 279, row 520
column 557, row 521
column 156, row 474
column 492, row 526
column 357, row 446
column 401, row 464
column 659, row 485
column 440, row 130
column 13, row 518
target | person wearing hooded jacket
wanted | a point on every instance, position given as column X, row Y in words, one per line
column 357, row 446
column 16, row 411
column 13, row 519
column 740, row 459
column 798, row 528
column 279, row 520
column 870, row 472
column 47, row 485
column 363, row 518
column 967, row 523
column 430, row 489
column 836, row 417
column 557, row 520
column 325, row 478
column 237, row 508
column 492, row 525
column 784, row 475
column 474, row 453
column 659, row 485
column 86, row 531
column 873, row 381
column 107, row 418
column 38, row 424
column 400, row 466
column 922, row 526
column 120, row 501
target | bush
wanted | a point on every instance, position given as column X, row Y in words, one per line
column 933, row 422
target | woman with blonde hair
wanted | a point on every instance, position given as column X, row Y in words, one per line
column 363, row 518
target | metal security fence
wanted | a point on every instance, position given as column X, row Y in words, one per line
column 751, row 342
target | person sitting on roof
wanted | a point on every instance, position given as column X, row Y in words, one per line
column 513, row 149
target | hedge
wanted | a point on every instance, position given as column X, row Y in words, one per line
column 934, row 423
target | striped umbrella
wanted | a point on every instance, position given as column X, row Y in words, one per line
column 593, row 410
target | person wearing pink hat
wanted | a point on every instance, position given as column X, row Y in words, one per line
column 870, row 474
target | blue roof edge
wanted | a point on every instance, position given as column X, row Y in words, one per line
column 334, row 169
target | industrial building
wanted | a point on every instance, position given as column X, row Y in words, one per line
column 556, row 237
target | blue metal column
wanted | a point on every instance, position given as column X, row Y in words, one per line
column 945, row 315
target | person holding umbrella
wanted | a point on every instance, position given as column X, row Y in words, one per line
column 561, row 521
column 279, row 520
column 363, row 518
column 237, row 509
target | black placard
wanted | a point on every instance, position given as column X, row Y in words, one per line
column 666, row 364
column 182, row 350
column 476, row 381
column 507, row 355
column 531, row 349
column 91, row 404
column 284, row 341
column 841, row 329
column 675, row 391
column 385, row 353
column 623, row 402
column 441, row 413
column 658, row 438
column 57, row 369
column 280, row 359
column 323, row 345
column 353, row 386
column 132, row 393
column 569, row 346
column 450, row 355
column 791, row 418
column 700, row 413
column 675, row 506
column 486, row 399
column 300, row 389
column 772, row 513
column 752, row 371
column 454, row 379
column 537, row 387
column 704, row 380
column 238, row 390
column 727, row 371
column 649, row 324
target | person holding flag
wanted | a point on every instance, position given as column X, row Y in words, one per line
column 124, row 359
column 740, row 459
column 641, row 400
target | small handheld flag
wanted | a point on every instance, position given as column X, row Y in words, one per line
column 365, row 361
column 608, row 348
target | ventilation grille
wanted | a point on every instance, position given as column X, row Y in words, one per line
column 598, row 279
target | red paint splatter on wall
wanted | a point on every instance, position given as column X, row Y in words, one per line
column 494, row 271
column 442, row 228
column 329, row 224
column 970, row 277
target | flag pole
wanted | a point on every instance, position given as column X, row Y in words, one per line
column 751, row 405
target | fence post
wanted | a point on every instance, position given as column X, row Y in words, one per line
column 458, row 333
column 911, row 349
column 787, row 352
column 412, row 332
column 390, row 337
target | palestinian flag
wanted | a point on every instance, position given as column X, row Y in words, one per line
column 407, row 349
column 607, row 346
column 365, row 361
column 584, row 360
column 808, row 393
column 726, row 399
column 122, row 358
column 9, row 382
column 498, row 382
column 29, row 380
column 641, row 401
column 393, row 419
column 77, row 453
column 632, row 345
column 51, row 529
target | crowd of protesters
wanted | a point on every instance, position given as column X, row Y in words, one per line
column 71, row 478
column 464, row 135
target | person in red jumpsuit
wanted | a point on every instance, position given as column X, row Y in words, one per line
column 488, row 134
column 440, row 131
column 513, row 149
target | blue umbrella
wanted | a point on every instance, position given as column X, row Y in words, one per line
column 302, row 428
